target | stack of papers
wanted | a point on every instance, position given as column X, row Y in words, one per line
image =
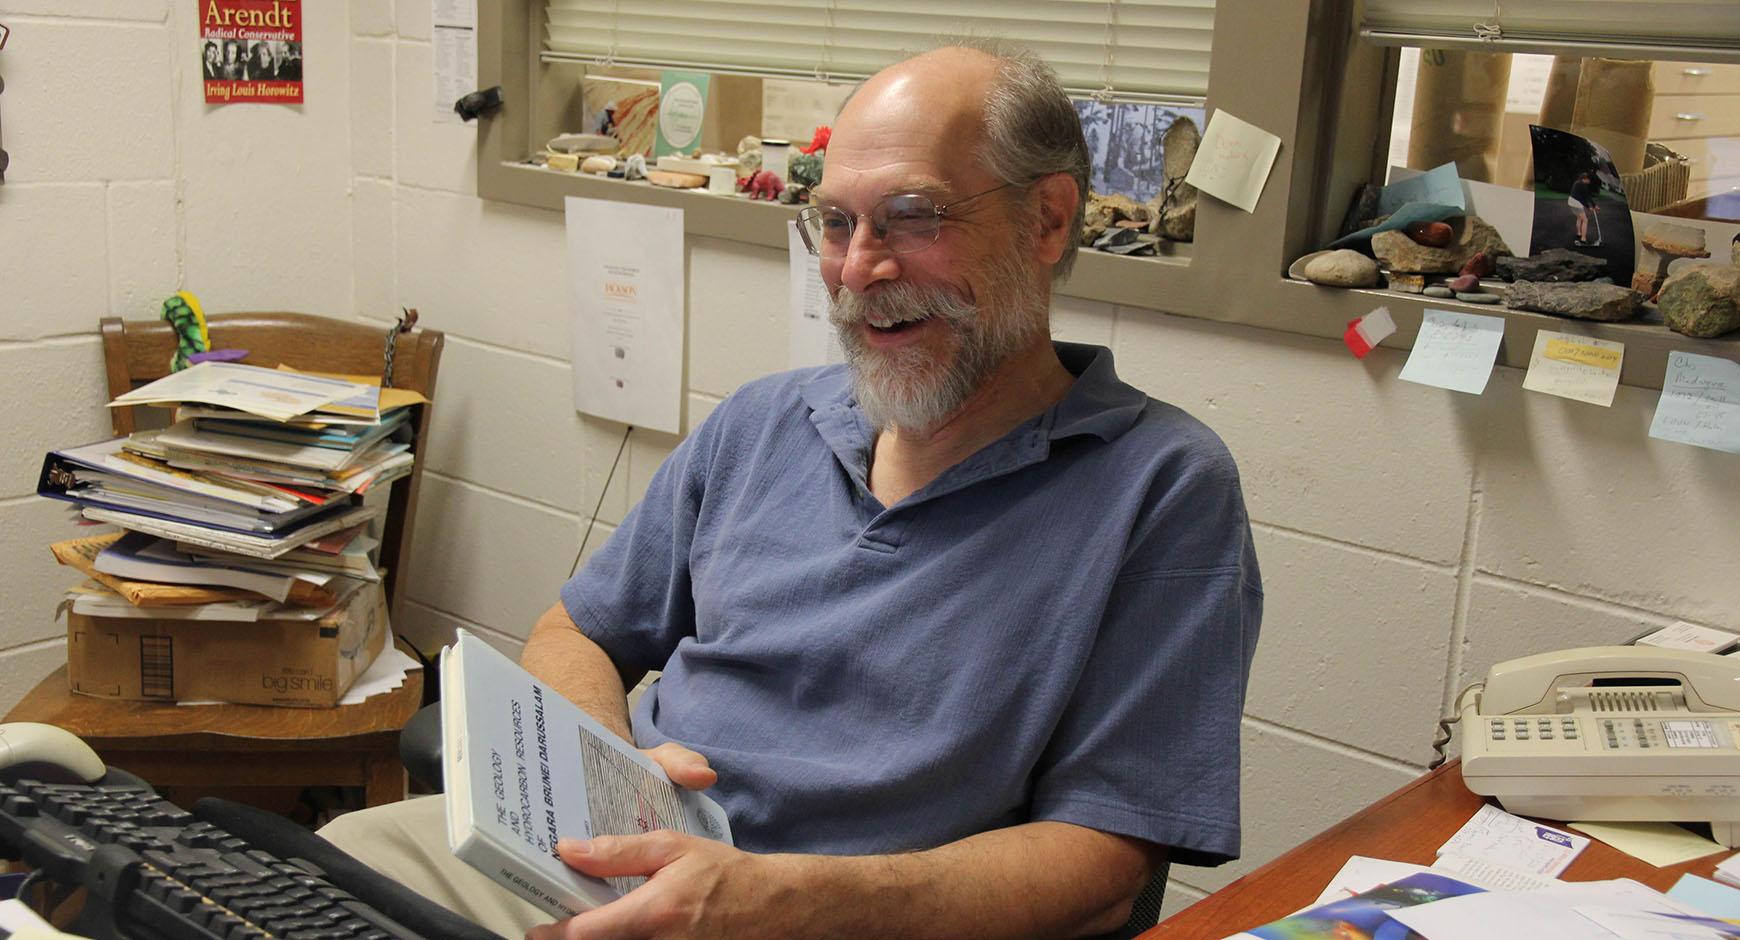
column 246, row 507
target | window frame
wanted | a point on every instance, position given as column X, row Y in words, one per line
column 1297, row 70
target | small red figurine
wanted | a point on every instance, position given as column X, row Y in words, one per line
column 818, row 142
column 762, row 185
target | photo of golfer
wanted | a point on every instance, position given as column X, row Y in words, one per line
column 1580, row 201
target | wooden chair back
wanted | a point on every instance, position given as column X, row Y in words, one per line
column 139, row 351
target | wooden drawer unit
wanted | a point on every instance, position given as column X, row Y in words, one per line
column 1711, row 157
column 1681, row 116
column 1695, row 78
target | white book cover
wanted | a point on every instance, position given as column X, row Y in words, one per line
column 522, row 767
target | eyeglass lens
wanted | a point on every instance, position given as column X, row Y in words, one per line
column 905, row 223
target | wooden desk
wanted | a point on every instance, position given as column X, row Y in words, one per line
column 1406, row 826
column 221, row 746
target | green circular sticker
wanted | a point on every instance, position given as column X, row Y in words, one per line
column 680, row 115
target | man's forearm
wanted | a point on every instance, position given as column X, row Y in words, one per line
column 1043, row 879
column 559, row 654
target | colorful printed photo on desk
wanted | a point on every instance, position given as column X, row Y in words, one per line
column 1364, row 916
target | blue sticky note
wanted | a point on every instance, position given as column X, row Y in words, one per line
column 1707, row 896
column 1454, row 351
column 1700, row 403
column 1401, row 218
column 1441, row 185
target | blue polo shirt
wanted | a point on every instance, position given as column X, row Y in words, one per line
column 1059, row 627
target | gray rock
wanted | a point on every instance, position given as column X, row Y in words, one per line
column 1175, row 206
column 1475, row 297
column 1438, row 290
column 1554, row 264
column 1406, row 283
column 1703, row 301
column 1585, row 301
column 1686, row 264
column 1115, row 236
column 1343, row 267
column 1470, row 235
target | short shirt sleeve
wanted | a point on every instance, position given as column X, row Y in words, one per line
column 1149, row 744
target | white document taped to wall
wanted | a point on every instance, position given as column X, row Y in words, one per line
column 625, row 268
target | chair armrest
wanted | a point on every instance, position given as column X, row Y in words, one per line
column 420, row 747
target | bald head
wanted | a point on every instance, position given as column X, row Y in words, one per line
column 943, row 90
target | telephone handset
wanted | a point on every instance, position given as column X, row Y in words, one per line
column 1610, row 733
column 47, row 753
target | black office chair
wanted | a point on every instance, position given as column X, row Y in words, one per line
column 420, row 750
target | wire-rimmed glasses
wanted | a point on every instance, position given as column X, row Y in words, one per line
column 905, row 222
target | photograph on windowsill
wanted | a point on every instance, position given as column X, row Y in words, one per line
column 1597, row 189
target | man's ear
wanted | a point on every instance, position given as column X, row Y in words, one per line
column 1058, row 200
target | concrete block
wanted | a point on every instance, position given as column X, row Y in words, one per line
column 1074, row 320
column 144, row 238
column 21, row 669
column 372, row 18
column 511, row 556
column 374, row 249
column 34, row 581
column 505, row 421
column 1396, row 478
column 1507, row 620
column 430, row 629
column 1342, row 624
column 136, row 11
column 88, row 101
column 699, row 408
column 1581, row 499
column 737, row 314
column 497, row 274
column 647, row 452
column 416, row 20
column 371, row 107
column 428, row 154
column 1290, row 791
column 63, row 385
column 53, row 256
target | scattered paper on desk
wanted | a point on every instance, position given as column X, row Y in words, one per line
column 1700, row 403
column 1669, row 924
column 1454, row 351
column 1367, row 914
column 1576, row 367
column 385, row 674
column 1658, row 843
column 1552, row 912
column 1439, row 186
column 1496, row 836
column 1361, row 874
column 1706, row 895
column 1681, row 635
column 1492, row 877
column 1364, row 333
column 1233, row 161
column 1728, row 870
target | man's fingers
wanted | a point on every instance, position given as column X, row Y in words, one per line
column 686, row 768
column 610, row 856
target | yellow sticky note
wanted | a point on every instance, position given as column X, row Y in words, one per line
column 1658, row 843
column 1580, row 368
column 1565, row 350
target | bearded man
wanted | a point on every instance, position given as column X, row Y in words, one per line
column 957, row 634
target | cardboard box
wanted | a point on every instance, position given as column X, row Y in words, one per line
column 272, row 662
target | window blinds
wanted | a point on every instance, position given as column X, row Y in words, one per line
column 1696, row 30
column 1125, row 49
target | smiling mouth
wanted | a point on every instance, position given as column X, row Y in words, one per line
column 893, row 329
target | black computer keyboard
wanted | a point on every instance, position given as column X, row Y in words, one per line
column 161, row 873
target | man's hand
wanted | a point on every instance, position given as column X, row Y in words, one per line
column 686, row 768
column 697, row 888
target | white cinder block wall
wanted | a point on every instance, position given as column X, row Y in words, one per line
column 1409, row 536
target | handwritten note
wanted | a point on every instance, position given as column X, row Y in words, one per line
column 1575, row 367
column 1496, row 836
column 1700, row 403
column 1233, row 161
column 1454, row 351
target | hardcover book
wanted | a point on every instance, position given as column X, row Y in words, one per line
column 522, row 766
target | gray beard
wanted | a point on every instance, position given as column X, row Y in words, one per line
column 908, row 388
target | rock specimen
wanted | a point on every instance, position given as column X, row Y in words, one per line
column 1104, row 212
column 1438, row 290
column 1406, row 283
column 1470, row 236
column 1463, row 282
column 1175, row 207
column 1343, row 267
column 1430, row 234
column 1703, row 301
column 1476, row 297
column 1664, row 242
column 1554, row 264
column 1480, row 265
column 1585, row 301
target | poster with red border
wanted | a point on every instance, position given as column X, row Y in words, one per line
column 251, row 51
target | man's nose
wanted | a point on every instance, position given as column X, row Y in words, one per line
column 868, row 259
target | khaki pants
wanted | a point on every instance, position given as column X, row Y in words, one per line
column 407, row 842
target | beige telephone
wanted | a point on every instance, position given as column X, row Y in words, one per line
column 1610, row 733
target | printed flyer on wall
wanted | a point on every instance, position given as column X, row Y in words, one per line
column 252, row 51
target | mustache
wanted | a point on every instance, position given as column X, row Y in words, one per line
column 894, row 303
